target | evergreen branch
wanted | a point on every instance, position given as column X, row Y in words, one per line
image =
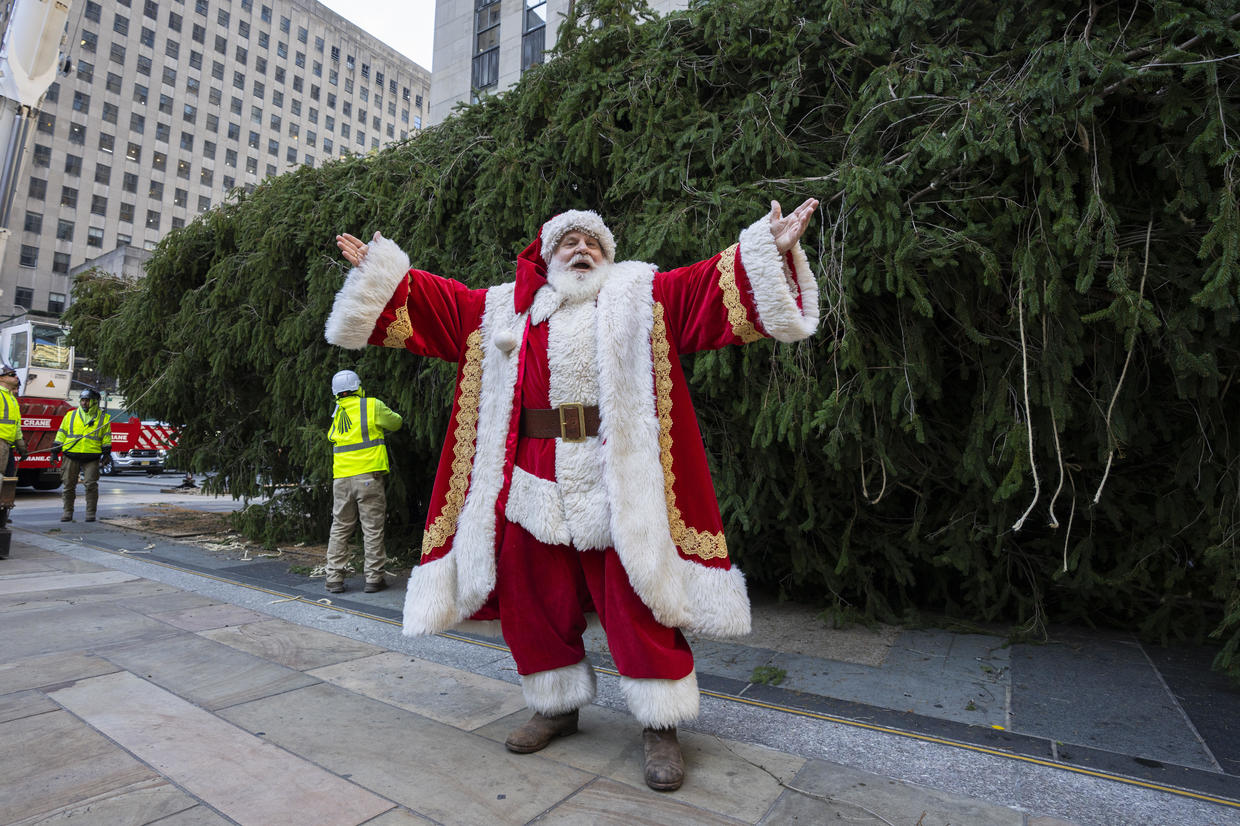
column 1183, row 47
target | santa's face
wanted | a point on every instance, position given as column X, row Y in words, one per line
column 578, row 253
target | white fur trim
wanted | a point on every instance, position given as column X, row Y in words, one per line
column 505, row 340
column 535, row 505
column 775, row 288
column 572, row 363
column 559, row 690
column 366, row 291
column 583, row 220
column 430, row 598
column 473, row 546
column 662, row 703
column 629, row 427
column 720, row 600
column 546, row 301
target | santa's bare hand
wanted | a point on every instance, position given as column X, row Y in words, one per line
column 353, row 250
column 788, row 229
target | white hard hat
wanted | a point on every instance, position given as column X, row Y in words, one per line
column 345, row 381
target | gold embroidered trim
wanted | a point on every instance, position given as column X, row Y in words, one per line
column 399, row 330
column 690, row 540
column 444, row 526
column 742, row 327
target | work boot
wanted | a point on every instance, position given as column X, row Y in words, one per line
column 373, row 587
column 665, row 766
column 90, row 517
column 66, row 517
column 541, row 730
column 335, row 587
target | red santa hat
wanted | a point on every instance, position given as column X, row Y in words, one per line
column 581, row 220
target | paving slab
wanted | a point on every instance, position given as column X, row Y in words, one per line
column 24, row 704
column 50, row 669
column 171, row 600
column 831, row 793
column 207, row 673
column 198, row 816
column 399, row 817
column 1209, row 698
column 144, row 802
column 291, row 645
column 1104, row 693
column 240, row 775
column 78, row 628
column 447, row 695
column 63, row 763
column 607, row 803
column 30, row 583
column 723, row 776
column 210, row 616
column 44, row 600
column 435, row 770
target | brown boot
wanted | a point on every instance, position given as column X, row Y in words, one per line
column 541, row 730
column 665, row 767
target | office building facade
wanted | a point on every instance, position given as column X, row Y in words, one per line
column 483, row 46
column 164, row 107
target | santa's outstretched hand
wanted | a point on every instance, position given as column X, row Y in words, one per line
column 788, row 229
column 352, row 248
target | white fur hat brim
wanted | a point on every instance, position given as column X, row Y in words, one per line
column 582, row 220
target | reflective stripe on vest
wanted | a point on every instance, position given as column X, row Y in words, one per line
column 357, row 451
column 92, row 439
column 9, row 426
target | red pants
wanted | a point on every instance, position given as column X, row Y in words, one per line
column 544, row 594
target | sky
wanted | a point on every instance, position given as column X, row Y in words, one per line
column 408, row 26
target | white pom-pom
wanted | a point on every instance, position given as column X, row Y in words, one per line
column 505, row 340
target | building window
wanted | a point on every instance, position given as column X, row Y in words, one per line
column 183, row 169
column 147, row 37
column 37, row 189
column 94, row 237
column 73, row 165
column 98, row 205
column 172, row 49
column 93, row 10
column 144, row 65
column 174, row 21
column 230, row 158
column 159, row 162
column 30, row 258
column 190, row 113
column 113, row 83
column 64, row 230
column 533, row 39
column 24, row 296
column 208, row 149
column 251, row 165
column 117, row 54
column 486, row 44
column 56, row 301
column 140, row 93
column 264, row 14
column 187, row 141
column 170, row 76
column 204, row 203
column 34, row 222
column 68, row 196
column 137, row 123
column 273, row 146
column 180, row 197
column 130, row 182
column 103, row 173
column 110, row 112
column 243, row 29
column 151, row 9
column 163, row 132
column 81, row 102
column 205, row 176
column 60, row 262
column 133, row 152
column 47, row 123
column 152, row 219
column 126, row 213
column 199, row 34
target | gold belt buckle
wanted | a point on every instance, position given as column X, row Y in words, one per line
column 567, row 424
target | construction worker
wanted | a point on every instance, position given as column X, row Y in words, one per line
column 11, row 439
column 359, row 463
column 85, row 437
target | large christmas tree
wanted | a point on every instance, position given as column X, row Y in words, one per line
column 1023, row 406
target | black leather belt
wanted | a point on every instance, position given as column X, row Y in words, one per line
column 570, row 422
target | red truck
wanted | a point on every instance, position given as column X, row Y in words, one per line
column 38, row 350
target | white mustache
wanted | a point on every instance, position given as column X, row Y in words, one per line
column 581, row 258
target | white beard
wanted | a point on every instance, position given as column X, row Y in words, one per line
column 575, row 286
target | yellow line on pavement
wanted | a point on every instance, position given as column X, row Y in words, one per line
column 925, row 738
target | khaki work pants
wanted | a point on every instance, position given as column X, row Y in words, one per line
column 357, row 498
column 89, row 470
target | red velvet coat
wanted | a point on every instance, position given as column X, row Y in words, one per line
column 664, row 518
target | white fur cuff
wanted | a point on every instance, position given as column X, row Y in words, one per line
column 559, row 690
column 775, row 288
column 366, row 291
column 662, row 703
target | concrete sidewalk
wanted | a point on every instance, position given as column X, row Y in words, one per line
column 136, row 690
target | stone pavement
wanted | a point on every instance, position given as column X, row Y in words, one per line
column 137, row 689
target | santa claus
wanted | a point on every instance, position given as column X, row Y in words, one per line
column 573, row 479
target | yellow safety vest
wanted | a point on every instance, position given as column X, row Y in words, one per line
column 357, row 436
column 10, row 417
column 78, row 434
